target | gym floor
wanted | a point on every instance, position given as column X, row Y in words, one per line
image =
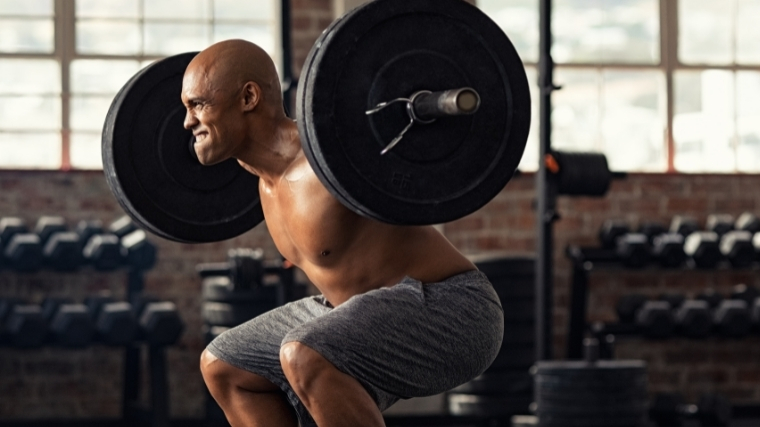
column 664, row 91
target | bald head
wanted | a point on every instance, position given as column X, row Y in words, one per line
column 227, row 66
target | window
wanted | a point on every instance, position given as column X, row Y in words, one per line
column 62, row 62
column 657, row 85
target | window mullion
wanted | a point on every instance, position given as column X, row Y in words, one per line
column 65, row 48
column 668, row 61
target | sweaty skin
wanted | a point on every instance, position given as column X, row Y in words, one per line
column 234, row 108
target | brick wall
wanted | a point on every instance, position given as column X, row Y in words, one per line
column 87, row 383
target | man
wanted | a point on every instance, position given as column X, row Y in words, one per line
column 402, row 312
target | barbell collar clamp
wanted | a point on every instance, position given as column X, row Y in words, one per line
column 426, row 106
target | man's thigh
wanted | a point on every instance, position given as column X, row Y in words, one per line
column 411, row 339
column 254, row 346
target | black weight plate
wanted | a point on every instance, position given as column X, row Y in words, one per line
column 514, row 356
column 487, row 406
column 392, row 48
column 225, row 314
column 504, row 382
column 152, row 169
column 219, row 289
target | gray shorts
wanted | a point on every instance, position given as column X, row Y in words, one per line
column 408, row 340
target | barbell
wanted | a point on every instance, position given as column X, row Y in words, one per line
column 408, row 112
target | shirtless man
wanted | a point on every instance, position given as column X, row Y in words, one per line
column 402, row 312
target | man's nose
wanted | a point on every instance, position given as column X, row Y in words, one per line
column 190, row 120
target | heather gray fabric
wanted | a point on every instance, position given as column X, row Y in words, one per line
column 408, row 340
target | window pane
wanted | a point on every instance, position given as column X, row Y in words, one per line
column 30, row 112
column 174, row 10
column 172, row 39
column 575, row 111
column 633, row 120
column 107, row 9
column 703, row 124
column 30, row 76
column 101, row 76
column 27, row 35
column 89, row 112
column 748, row 32
column 519, row 20
column 748, row 121
column 236, row 9
column 108, row 37
column 84, row 151
column 26, row 7
column 529, row 161
column 262, row 35
column 705, row 32
column 606, row 31
column 30, row 150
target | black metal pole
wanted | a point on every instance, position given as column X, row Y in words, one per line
column 288, row 82
column 546, row 195
column 131, row 386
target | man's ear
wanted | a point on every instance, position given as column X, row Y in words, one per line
column 251, row 96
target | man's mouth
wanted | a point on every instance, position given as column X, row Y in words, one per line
column 199, row 137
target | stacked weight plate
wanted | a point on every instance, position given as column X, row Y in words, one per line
column 604, row 393
column 506, row 387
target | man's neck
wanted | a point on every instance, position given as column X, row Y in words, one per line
column 270, row 151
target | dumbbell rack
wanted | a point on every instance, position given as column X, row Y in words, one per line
column 157, row 414
column 584, row 260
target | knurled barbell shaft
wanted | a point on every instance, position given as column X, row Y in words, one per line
column 453, row 102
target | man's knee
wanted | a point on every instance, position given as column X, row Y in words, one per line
column 301, row 365
column 220, row 375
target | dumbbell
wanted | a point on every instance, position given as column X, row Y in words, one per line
column 651, row 229
column 70, row 324
column 633, row 249
column 703, row 249
column 244, row 267
column 719, row 223
column 653, row 319
column 692, row 318
column 104, row 252
column 731, row 317
column 122, row 226
column 736, row 246
column 159, row 322
column 138, row 251
column 667, row 249
column 25, row 251
column 64, row 250
column 19, row 249
column 683, row 225
column 748, row 222
column 21, row 324
column 610, row 230
column 669, row 409
column 115, row 322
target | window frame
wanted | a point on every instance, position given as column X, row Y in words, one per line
column 64, row 52
column 669, row 64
